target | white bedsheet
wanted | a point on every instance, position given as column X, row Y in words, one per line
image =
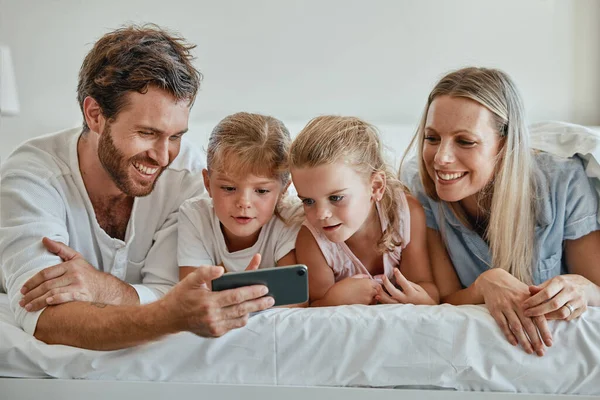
column 377, row 346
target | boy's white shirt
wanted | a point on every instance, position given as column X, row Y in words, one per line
column 201, row 240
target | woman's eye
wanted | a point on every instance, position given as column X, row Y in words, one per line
column 431, row 139
column 335, row 198
column 466, row 142
column 308, row 202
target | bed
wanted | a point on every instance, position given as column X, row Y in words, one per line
column 351, row 352
column 376, row 349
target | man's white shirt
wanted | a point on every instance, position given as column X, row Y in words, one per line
column 42, row 194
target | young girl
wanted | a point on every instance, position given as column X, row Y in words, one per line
column 361, row 229
column 243, row 222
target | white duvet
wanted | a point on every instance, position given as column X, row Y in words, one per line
column 376, row 346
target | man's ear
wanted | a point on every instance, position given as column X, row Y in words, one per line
column 378, row 182
column 206, row 178
column 93, row 115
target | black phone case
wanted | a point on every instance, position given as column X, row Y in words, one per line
column 287, row 285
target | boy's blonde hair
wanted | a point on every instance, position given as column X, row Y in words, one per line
column 246, row 143
column 511, row 200
column 258, row 143
column 330, row 139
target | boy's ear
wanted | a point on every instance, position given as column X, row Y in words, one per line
column 378, row 182
column 206, row 179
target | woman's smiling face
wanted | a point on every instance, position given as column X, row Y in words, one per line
column 460, row 147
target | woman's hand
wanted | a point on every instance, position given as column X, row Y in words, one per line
column 562, row 297
column 411, row 293
column 504, row 295
column 357, row 289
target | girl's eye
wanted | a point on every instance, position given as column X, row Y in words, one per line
column 228, row 188
column 262, row 191
column 336, row 198
column 431, row 139
column 308, row 202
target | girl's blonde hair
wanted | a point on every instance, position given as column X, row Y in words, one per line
column 330, row 139
column 512, row 210
column 245, row 143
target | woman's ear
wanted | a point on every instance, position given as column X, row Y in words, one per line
column 206, row 178
column 378, row 182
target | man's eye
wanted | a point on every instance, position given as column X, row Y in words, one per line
column 336, row 198
column 175, row 138
column 145, row 133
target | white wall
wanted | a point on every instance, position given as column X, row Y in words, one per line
column 296, row 59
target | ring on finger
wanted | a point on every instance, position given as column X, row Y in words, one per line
column 571, row 308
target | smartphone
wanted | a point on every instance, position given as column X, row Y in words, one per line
column 287, row 285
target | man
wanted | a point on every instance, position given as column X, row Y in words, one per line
column 111, row 192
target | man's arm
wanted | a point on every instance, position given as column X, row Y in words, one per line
column 73, row 280
column 188, row 307
column 31, row 208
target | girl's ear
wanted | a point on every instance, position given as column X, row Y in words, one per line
column 206, row 178
column 378, row 182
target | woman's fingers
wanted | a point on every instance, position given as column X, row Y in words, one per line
column 517, row 329
column 577, row 312
column 549, row 290
column 542, row 326
column 503, row 324
column 553, row 304
column 533, row 334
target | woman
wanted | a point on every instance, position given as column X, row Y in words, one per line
column 509, row 227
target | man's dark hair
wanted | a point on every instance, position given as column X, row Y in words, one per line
column 133, row 58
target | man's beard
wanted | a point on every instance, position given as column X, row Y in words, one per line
column 114, row 162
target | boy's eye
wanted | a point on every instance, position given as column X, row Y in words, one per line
column 308, row 202
column 262, row 191
column 228, row 188
column 335, row 198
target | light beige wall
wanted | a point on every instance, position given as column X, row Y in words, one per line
column 296, row 59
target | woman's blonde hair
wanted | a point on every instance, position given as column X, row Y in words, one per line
column 330, row 139
column 512, row 211
column 245, row 143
